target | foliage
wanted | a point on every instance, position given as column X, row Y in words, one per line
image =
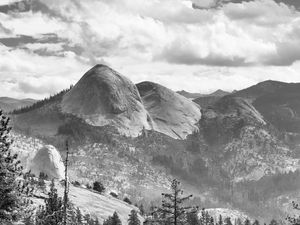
column 12, row 187
column 41, row 103
column 206, row 219
column 133, row 218
column 98, row 186
column 52, row 213
column 192, row 219
column 113, row 220
column 172, row 210
column 127, row 200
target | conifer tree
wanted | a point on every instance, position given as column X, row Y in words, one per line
column 256, row 222
column 238, row 221
column 10, row 170
column 51, row 213
column 192, row 219
column 273, row 222
column 173, row 210
column 133, row 218
column 205, row 218
column 220, row 221
column 113, row 220
column 142, row 210
column 78, row 215
column 227, row 221
column 247, row 222
column 97, row 221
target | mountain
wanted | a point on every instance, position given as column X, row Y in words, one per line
column 282, row 107
column 9, row 104
column 206, row 101
column 248, row 145
column 279, row 103
column 260, row 89
column 189, row 94
column 171, row 113
column 229, row 152
column 210, row 99
column 219, row 93
column 103, row 96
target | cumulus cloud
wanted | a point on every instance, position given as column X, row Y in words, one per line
column 146, row 39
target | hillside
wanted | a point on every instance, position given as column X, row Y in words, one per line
column 260, row 89
column 208, row 100
column 171, row 113
column 90, row 202
column 103, row 96
column 224, row 154
column 9, row 104
column 189, row 95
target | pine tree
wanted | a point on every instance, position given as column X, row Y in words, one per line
column 205, row 218
column 256, row 222
column 227, row 221
column 41, row 182
column 192, row 219
column 52, row 213
column 247, row 222
column 78, row 216
column 172, row 210
column 273, row 222
column 97, row 221
column 113, row 220
column 142, row 210
column 238, row 221
column 10, row 170
column 220, row 221
column 87, row 218
column 133, row 218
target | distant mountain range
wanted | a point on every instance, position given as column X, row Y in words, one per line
column 9, row 104
column 238, row 150
column 217, row 93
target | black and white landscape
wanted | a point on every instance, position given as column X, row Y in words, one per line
column 116, row 107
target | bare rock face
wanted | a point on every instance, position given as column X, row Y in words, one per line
column 171, row 113
column 48, row 161
column 105, row 97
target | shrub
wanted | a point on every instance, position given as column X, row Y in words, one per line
column 98, row 186
column 113, row 194
column 127, row 200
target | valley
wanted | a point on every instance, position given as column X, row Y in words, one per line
column 235, row 151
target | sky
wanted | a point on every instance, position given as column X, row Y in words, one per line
column 195, row 45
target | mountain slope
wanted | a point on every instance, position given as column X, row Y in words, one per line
column 172, row 114
column 282, row 108
column 189, row 94
column 9, row 104
column 260, row 89
column 207, row 100
column 103, row 96
column 248, row 146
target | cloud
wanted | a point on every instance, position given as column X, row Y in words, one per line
column 260, row 12
column 147, row 39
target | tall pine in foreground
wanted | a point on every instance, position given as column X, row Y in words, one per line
column 173, row 210
column 133, row 218
column 52, row 212
column 10, row 170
